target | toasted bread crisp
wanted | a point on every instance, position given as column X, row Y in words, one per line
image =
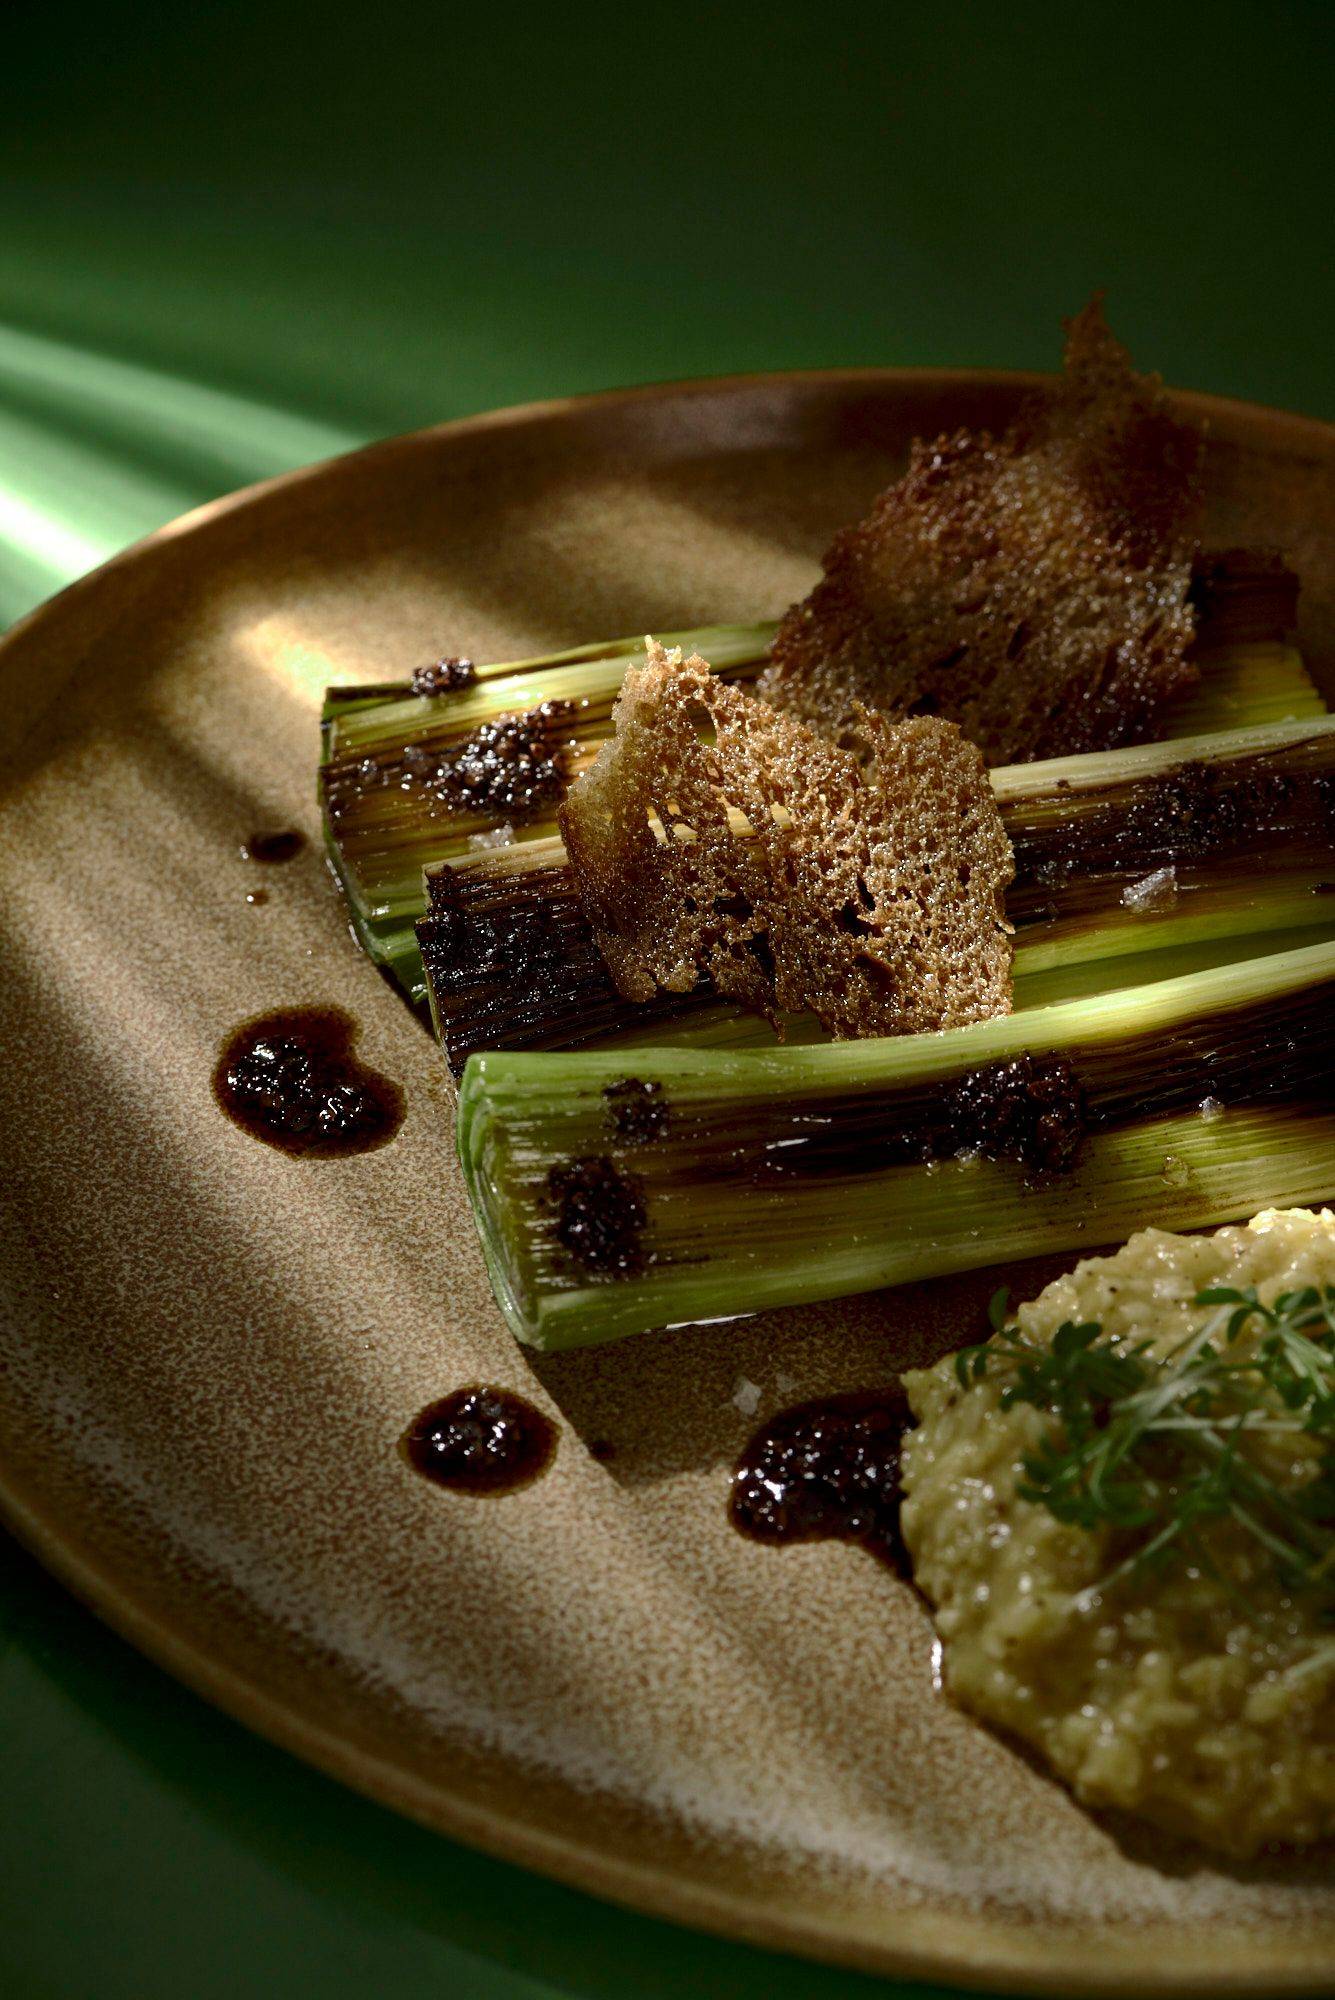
column 715, row 838
column 1032, row 587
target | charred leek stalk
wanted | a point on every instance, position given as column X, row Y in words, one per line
column 613, row 1199
column 1130, row 865
column 408, row 780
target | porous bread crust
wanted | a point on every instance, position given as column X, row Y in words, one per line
column 1032, row 588
column 869, row 894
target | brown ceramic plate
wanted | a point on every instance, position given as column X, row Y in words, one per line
column 210, row 1350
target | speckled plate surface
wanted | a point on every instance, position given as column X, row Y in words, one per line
column 209, row 1350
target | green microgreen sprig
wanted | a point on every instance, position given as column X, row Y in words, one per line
column 1155, row 1447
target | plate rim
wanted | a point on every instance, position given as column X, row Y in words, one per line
column 1058, row 1965
column 982, row 1953
column 542, row 408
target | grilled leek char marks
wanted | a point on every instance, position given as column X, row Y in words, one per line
column 1244, row 820
column 799, row 1174
column 386, row 811
column 387, row 830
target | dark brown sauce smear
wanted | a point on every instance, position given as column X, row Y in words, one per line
column 445, row 676
column 513, row 768
column 600, row 1217
column 291, row 1079
column 283, row 845
column 826, row 1471
column 1030, row 1109
column 1033, row 1110
column 637, row 1111
column 480, row 1440
column 514, row 765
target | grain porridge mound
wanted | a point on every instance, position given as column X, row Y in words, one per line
column 1199, row 1697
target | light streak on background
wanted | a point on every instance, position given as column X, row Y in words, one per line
column 96, row 452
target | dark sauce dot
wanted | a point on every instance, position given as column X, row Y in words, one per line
column 284, row 845
column 515, row 765
column 445, row 676
column 826, row 1471
column 602, row 1449
column 257, row 897
column 600, row 1217
column 636, row 1111
column 291, row 1079
column 1031, row 1110
column 1196, row 810
column 480, row 1440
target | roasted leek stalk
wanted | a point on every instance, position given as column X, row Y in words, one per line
column 612, row 1197
column 1129, row 865
column 409, row 780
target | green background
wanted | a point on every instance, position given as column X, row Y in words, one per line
column 242, row 238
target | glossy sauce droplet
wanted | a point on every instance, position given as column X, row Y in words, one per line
column 284, row 845
column 292, row 1080
column 1031, row 1109
column 826, row 1471
column 445, row 676
column 481, row 1440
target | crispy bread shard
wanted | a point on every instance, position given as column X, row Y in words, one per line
column 714, row 837
column 1032, row 588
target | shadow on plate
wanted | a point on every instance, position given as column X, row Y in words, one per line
column 686, row 1398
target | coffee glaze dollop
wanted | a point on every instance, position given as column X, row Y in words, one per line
column 445, row 676
column 1030, row 1109
column 514, row 765
column 826, row 1471
column 291, row 1079
column 600, row 1216
column 480, row 1440
column 284, row 844
column 637, row 1112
